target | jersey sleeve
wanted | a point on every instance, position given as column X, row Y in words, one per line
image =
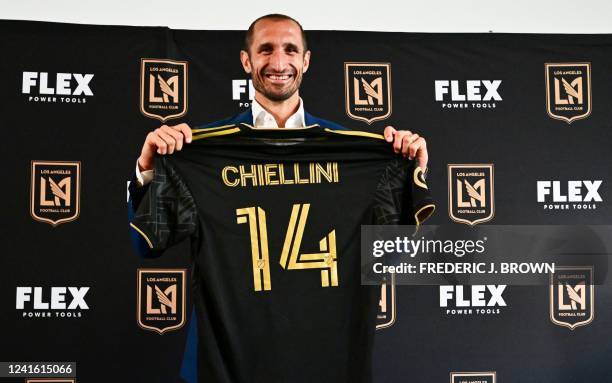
column 167, row 213
column 402, row 195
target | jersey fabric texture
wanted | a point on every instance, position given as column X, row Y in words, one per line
column 188, row 370
column 273, row 217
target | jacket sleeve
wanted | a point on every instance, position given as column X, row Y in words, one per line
column 163, row 213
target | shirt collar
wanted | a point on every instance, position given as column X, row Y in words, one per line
column 263, row 119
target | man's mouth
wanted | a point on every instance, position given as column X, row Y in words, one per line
column 278, row 77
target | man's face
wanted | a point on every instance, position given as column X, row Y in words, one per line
column 276, row 58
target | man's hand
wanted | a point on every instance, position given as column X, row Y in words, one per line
column 410, row 144
column 165, row 139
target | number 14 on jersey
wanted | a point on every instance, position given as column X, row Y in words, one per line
column 291, row 258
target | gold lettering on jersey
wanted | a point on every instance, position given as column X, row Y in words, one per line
column 259, row 245
column 224, row 176
column 280, row 174
column 291, row 258
column 260, row 173
column 271, row 172
column 281, row 177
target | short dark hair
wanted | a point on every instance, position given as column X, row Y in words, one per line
column 248, row 38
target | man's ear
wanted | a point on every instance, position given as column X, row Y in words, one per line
column 246, row 63
column 306, row 61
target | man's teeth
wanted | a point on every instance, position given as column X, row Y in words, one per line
column 278, row 77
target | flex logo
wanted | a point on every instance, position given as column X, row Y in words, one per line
column 470, row 94
column 72, row 88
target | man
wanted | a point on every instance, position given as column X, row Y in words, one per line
column 276, row 56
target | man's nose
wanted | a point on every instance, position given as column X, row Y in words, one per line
column 278, row 61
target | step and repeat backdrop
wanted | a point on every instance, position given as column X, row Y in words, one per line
column 519, row 130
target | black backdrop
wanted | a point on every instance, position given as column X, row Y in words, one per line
column 526, row 145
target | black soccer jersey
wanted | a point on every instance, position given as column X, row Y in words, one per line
column 274, row 219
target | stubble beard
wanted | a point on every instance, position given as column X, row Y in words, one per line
column 270, row 92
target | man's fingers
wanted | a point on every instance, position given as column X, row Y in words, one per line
column 401, row 141
column 170, row 142
column 397, row 142
column 162, row 147
column 415, row 147
column 409, row 144
column 412, row 146
column 155, row 142
column 150, row 140
column 185, row 130
column 421, row 153
column 388, row 133
column 407, row 139
column 178, row 137
column 166, row 139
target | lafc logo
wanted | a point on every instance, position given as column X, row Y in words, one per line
column 161, row 299
column 470, row 193
column 572, row 296
column 386, row 305
column 568, row 91
column 163, row 88
column 55, row 191
column 473, row 377
column 367, row 89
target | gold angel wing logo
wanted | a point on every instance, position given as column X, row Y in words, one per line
column 165, row 87
column 571, row 91
column 163, row 298
column 568, row 90
column 572, row 296
column 369, row 91
column 473, row 193
column 575, row 297
column 57, row 192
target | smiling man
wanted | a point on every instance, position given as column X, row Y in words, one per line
column 276, row 56
column 273, row 301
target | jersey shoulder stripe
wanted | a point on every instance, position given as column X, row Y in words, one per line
column 359, row 133
column 215, row 132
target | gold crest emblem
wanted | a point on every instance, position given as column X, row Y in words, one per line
column 471, row 193
column 161, row 299
column 163, row 88
column 367, row 89
column 572, row 296
column 55, row 191
column 568, row 91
